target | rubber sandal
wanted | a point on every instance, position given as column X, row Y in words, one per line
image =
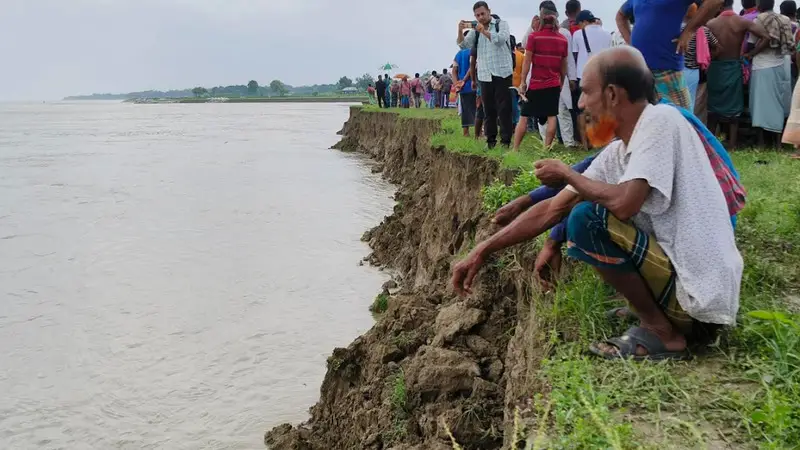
column 613, row 314
column 638, row 336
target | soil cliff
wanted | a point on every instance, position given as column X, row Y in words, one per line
column 434, row 362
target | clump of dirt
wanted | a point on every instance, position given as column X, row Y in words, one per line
column 433, row 359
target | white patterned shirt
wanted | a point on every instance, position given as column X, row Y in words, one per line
column 494, row 56
column 685, row 211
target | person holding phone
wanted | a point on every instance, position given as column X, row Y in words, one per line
column 494, row 69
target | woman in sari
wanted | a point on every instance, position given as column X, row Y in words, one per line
column 791, row 134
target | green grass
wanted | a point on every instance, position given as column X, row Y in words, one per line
column 380, row 304
column 451, row 138
column 398, row 399
column 744, row 394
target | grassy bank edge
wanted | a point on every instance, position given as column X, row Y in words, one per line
column 744, row 393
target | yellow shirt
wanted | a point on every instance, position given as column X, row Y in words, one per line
column 517, row 79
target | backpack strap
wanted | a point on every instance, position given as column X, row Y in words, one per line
column 586, row 42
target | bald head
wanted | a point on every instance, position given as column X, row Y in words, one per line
column 625, row 68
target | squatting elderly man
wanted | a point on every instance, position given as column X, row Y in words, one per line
column 652, row 213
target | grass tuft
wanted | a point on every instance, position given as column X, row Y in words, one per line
column 380, row 304
column 398, row 399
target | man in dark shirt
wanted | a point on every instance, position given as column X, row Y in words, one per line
column 446, row 82
column 380, row 88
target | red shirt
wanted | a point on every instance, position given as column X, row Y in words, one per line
column 549, row 48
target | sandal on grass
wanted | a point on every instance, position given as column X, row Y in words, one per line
column 627, row 314
column 638, row 336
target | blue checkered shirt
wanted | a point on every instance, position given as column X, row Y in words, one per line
column 494, row 56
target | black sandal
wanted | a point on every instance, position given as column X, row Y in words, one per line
column 637, row 336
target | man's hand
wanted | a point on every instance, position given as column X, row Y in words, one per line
column 573, row 85
column 523, row 88
column 509, row 212
column 548, row 264
column 462, row 25
column 682, row 43
column 465, row 271
column 551, row 172
column 480, row 28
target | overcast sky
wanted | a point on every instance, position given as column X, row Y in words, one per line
column 54, row 48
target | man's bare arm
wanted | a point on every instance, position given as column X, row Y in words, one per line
column 757, row 29
column 707, row 11
column 762, row 44
column 624, row 26
column 623, row 200
column 473, row 67
column 530, row 224
column 526, row 69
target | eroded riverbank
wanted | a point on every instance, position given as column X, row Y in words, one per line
column 506, row 365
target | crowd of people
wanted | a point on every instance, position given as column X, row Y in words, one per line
column 654, row 209
column 432, row 91
column 728, row 68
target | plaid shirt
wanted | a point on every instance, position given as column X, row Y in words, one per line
column 494, row 56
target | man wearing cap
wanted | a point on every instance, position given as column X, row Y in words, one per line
column 590, row 39
column 659, row 37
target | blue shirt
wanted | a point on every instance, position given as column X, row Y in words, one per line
column 462, row 59
column 658, row 23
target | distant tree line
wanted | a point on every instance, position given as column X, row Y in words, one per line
column 251, row 89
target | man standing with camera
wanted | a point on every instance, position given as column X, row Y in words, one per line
column 495, row 68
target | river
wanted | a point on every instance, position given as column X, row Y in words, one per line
column 174, row 276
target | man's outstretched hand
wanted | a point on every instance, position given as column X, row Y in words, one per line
column 511, row 211
column 551, row 172
column 465, row 271
column 548, row 264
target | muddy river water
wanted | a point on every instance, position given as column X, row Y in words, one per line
column 174, row 276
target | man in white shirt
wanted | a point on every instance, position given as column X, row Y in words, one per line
column 648, row 214
column 590, row 39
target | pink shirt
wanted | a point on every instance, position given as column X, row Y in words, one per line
column 405, row 88
column 416, row 86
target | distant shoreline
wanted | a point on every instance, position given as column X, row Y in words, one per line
column 320, row 99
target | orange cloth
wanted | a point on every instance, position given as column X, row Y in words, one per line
column 517, row 79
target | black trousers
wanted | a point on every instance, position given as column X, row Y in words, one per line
column 575, row 112
column 496, row 98
column 381, row 98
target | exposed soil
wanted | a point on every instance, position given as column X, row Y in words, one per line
column 451, row 353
